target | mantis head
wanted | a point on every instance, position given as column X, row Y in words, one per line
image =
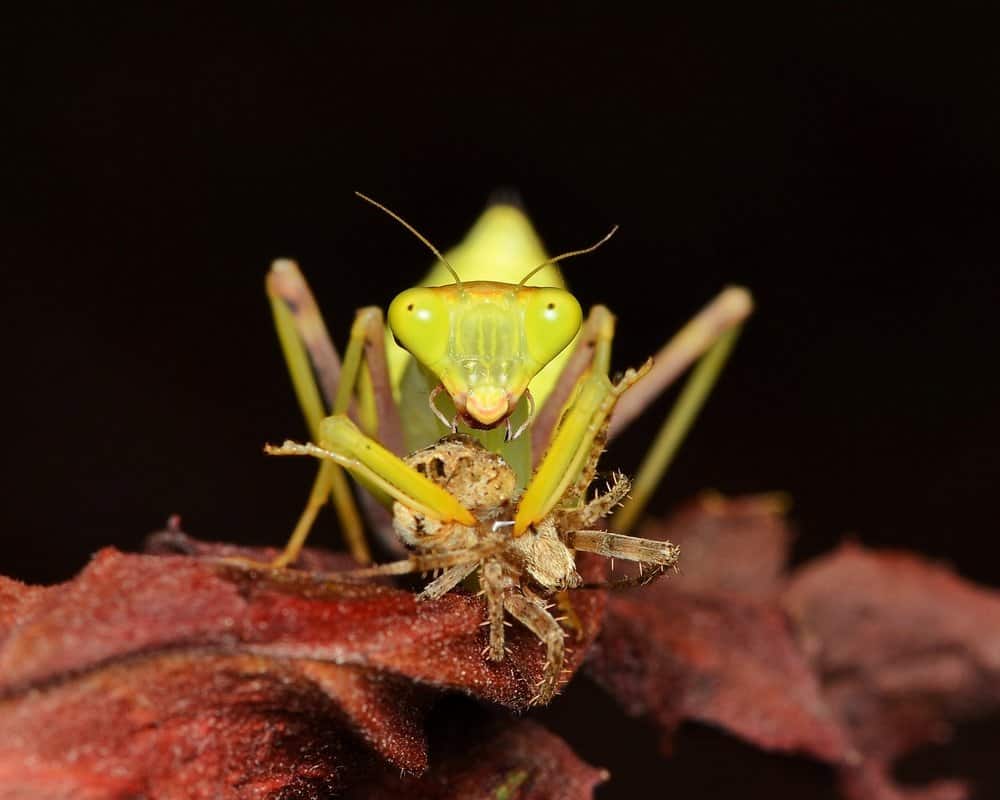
column 484, row 341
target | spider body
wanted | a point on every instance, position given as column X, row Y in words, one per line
column 518, row 575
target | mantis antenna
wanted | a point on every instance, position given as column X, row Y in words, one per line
column 422, row 238
column 564, row 256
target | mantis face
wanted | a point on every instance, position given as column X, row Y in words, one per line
column 484, row 341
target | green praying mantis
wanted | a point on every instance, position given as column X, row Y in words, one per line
column 491, row 342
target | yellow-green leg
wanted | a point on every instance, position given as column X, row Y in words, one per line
column 574, row 439
column 311, row 357
column 593, row 343
column 709, row 337
column 341, row 442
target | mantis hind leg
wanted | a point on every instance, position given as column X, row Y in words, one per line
column 317, row 375
column 708, row 339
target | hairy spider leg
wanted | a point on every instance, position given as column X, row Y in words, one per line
column 541, row 623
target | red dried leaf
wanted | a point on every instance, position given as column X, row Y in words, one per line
column 240, row 727
column 684, row 649
column 178, row 726
column 735, row 544
column 905, row 648
column 718, row 659
column 499, row 760
column 144, row 666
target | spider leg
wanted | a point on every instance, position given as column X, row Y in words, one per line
column 569, row 619
column 448, row 580
column 631, row 548
column 541, row 623
column 600, row 507
column 419, row 562
column 495, row 586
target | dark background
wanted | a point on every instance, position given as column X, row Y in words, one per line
column 840, row 161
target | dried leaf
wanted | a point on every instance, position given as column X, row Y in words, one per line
column 905, row 648
column 693, row 648
column 735, row 544
column 242, row 727
column 183, row 725
column 499, row 759
column 718, row 659
column 173, row 673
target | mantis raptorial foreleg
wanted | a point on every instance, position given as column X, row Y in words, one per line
column 595, row 333
column 573, row 443
column 371, row 464
column 311, row 357
column 708, row 337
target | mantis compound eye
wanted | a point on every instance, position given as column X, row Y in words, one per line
column 420, row 322
column 552, row 318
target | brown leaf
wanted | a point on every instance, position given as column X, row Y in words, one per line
column 168, row 672
column 692, row 647
column 241, row 727
column 182, row 725
column 735, row 544
column 717, row 659
column 498, row 759
column 904, row 647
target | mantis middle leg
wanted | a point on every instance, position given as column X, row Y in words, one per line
column 360, row 386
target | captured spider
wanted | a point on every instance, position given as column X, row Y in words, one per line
column 517, row 574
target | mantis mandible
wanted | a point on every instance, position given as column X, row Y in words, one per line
column 492, row 342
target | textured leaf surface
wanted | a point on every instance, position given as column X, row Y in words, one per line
column 695, row 647
column 857, row 658
column 501, row 759
column 905, row 648
column 174, row 675
column 177, row 675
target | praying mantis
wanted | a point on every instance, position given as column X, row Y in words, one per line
column 491, row 343
column 486, row 353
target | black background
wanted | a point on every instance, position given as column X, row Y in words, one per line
column 840, row 161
